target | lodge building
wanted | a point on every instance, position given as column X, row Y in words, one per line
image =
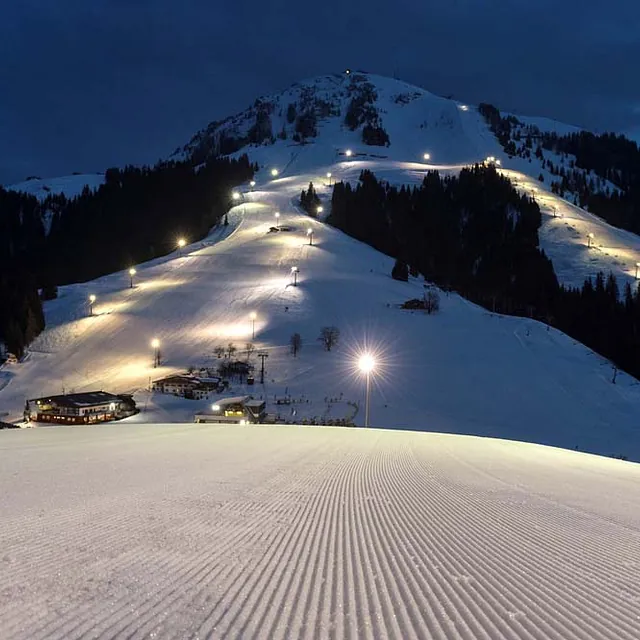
column 79, row 408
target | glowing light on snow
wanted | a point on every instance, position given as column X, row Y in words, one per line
column 92, row 298
column 252, row 184
column 319, row 209
column 348, row 153
column 155, row 343
column 427, row 156
column 235, row 195
column 132, row 272
column 215, row 407
column 274, row 172
column 463, row 107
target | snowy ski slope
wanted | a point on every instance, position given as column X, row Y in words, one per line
column 463, row 370
column 203, row 531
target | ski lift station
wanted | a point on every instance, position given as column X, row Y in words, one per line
column 238, row 410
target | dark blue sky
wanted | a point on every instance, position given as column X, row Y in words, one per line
column 91, row 83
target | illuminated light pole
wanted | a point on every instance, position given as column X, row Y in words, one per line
column 253, row 315
column 637, row 267
column 329, row 177
column 274, row 173
column 348, row 153
column 294, row 273
column 155, row 343
column 252, row 184
column 589, row 240
column 310, row 234
column 132, row 272
column 235, row 195
column 498, row 162
column 367, row 365
column 319, row 210
column 92, row 299
column 427, row 156
column 181, row 244
column 277, row 217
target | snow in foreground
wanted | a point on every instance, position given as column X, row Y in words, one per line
column 194, row 531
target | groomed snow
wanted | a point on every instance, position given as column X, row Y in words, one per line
column 202, row 531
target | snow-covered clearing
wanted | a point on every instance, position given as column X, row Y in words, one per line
column 70, row 186
column 202, row 531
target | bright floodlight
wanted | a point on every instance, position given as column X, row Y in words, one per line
column 181, row 242
column 274, row 172
column 320, row 209
column 328, row 174
column 215, row 407
column 155, row 343
column 252, row 183
column 132, row 272
column 235, row 195
column 92, row 298
column 348, row 153
column 366, row 363
column 309, row 231
column 294, row 269
column 427, row 156
column 253, row 315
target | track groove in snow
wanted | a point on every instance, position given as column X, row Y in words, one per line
column 276, row 532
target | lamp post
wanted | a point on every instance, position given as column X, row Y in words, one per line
column 366, row 365
column 92, row 299
column 637, row 267
column 310, row 234
column 294, row 273
column 319, row 210
column 235, row 195
column 253, row 315
column 274, row 173
column 155, row 343
column 589, row 240
column 181, row 244
column 329, row 177
column 348, row 153
column 277, row 217
column 252, row 184
column 132, row 272
column 427, row 156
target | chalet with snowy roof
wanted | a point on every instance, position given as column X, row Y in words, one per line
column 79, row 408
column 188, row 386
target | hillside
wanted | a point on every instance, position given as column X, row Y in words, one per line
column 418, row 122
column 464, row 370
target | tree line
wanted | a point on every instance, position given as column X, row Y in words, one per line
column 475, row 234
column 136, row 215
column 610, row 157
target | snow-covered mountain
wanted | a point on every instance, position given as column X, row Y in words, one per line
column 464, row 370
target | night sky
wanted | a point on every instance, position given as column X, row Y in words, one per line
column 87, row 84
